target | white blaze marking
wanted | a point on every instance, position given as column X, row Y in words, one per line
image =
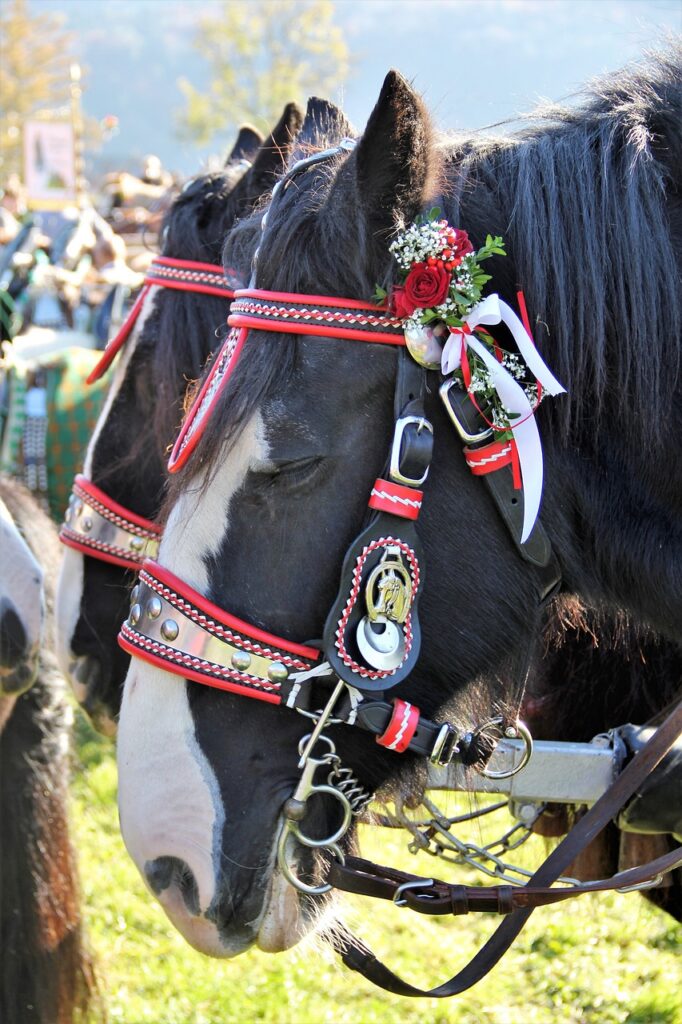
column 169, row 798
column 70, row 583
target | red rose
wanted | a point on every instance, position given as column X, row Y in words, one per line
column 400, row 304
column 427, row 286
column 461, row 246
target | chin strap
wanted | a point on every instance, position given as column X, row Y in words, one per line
column 430, row 896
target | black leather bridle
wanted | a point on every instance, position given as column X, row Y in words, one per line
column 174, row 627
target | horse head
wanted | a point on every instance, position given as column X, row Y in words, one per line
column 124, row 466
column 297, row 429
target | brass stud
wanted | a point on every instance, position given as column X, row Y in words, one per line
column 137, row 543
column 135, row 594
column 169, row 629
column 241, row 660
column 77, row 506
column 134, row 616
column 67, row 515
column 277, row 672
column 154, row 608
column 87, row 524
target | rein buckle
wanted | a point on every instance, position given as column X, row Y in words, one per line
column 418, row 883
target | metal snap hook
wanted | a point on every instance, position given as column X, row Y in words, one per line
column 523, row 733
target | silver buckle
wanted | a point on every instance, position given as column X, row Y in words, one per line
column 445, row 747
column 394, row 471
column 444, row 392
column 418, row 883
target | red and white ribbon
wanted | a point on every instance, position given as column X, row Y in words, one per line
column 492, row 310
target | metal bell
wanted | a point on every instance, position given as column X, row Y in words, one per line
column 425, row 344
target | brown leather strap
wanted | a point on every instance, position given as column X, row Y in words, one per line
column 434, row 897
column 359, row 958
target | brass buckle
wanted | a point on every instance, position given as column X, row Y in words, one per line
column 468, row 438
column 394, row 468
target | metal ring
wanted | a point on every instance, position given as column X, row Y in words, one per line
column 304, row 739
column 309, row 890
column 524, row 734
column 341, row 830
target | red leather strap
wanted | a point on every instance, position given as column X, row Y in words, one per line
column 396, row 499
column 178, row 275
column 152, row 572
column 401, row 728
column 319, row 315
column 112, row 510
column 489, row 457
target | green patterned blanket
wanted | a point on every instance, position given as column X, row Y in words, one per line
column 47, row 414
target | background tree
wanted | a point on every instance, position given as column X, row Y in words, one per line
column 261, row 54
column 35, row 54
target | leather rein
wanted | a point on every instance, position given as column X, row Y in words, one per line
column 371, row 640
column 94, row 523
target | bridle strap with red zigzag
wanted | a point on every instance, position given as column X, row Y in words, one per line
column 94, row 523
column 284, row 313
column 177, row 275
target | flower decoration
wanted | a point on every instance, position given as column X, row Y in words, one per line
column 439, row 297
column 441, row 280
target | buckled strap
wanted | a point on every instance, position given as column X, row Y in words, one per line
column 436, row 898
column 537, row 549
column 435, row 740
column 359, row 958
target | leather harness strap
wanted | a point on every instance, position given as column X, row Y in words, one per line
column 517, row 903
column 94, row 523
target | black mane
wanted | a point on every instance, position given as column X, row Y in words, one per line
column 580, row 196
column 578, row 192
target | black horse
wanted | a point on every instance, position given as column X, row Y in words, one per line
column 47, row 975
column 587, row 199
column 126, row 456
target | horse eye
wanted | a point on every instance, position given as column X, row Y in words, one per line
column 289, row 473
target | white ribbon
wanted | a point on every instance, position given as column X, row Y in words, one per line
column 492, row 310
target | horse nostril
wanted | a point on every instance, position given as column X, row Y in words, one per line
column 165, row 872
column 13, row 639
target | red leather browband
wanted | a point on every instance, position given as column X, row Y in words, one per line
column 178, row 275
column 320, row 315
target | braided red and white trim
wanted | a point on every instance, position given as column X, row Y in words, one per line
column 340, row 644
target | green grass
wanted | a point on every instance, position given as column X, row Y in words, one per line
column 602, row 960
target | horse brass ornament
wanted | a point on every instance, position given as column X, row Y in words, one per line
column 394, row 591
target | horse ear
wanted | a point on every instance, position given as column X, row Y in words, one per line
column 324, row 125
column 395, row 161
column 272, row 155
column 246, row 146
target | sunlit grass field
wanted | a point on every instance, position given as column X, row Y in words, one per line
column 597, row 959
